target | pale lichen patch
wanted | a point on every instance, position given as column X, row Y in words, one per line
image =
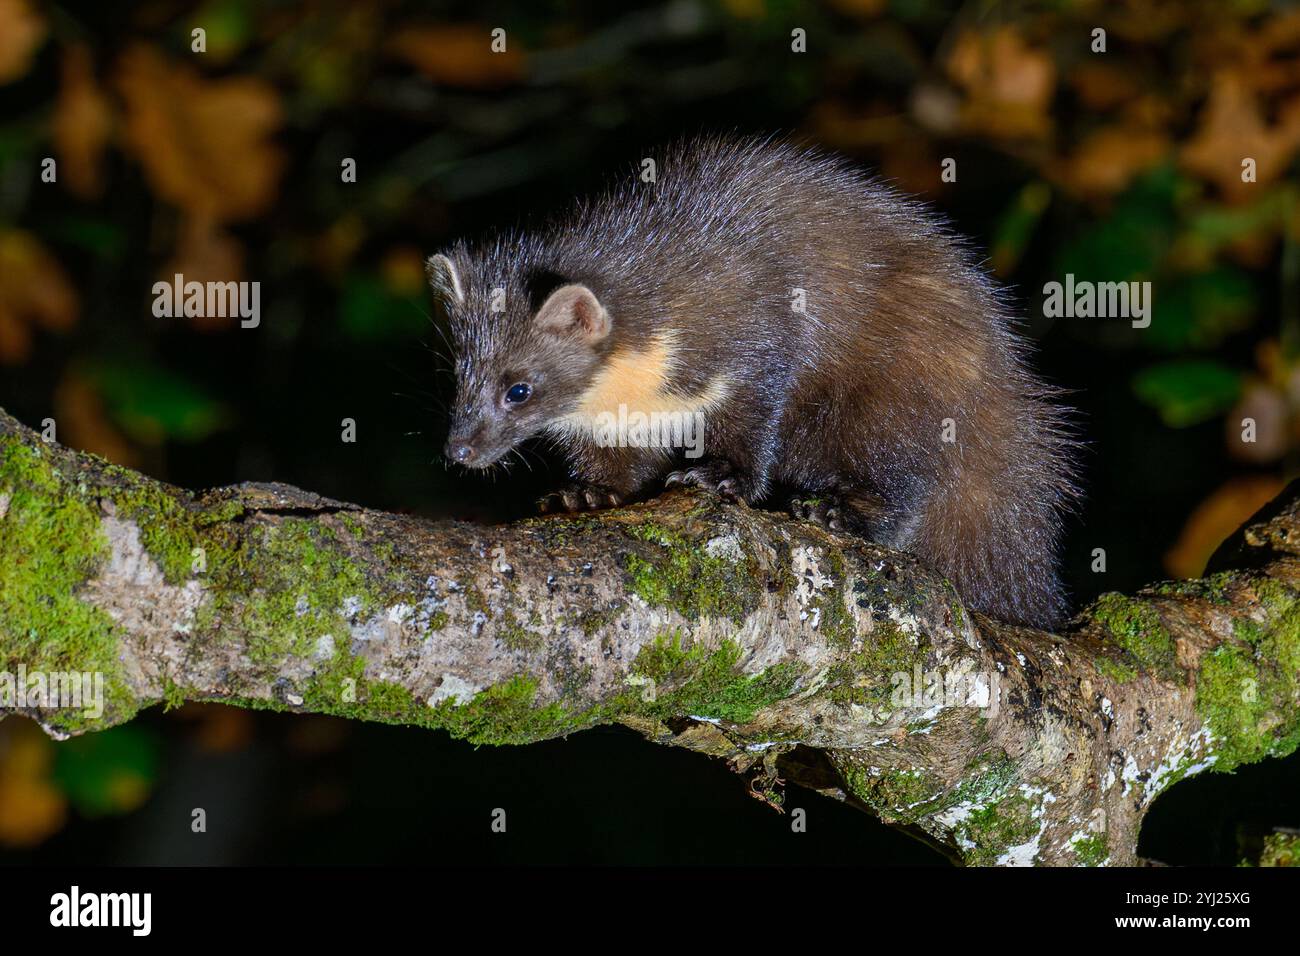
column 725, row 546
column 1026, row 853
column 952, row 820
column 130, row 587
column 324, row 647
column 909, row 624
column 454, row 688
column 1184, row 758
column 805, row 565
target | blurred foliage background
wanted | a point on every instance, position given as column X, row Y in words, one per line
column 225, row 164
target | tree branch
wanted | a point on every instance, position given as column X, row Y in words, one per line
column 789, row 651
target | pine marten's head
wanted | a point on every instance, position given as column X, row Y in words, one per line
column 528, row 344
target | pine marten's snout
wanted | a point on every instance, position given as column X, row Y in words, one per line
column 474, row 439
column 486, row 425
column 461, row 451
column 475, row 445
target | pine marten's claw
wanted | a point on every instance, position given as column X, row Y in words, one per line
column 579, row 498
column 822, row 511
column 717, row 477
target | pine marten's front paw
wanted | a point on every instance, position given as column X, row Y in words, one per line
column 716, row 475
column 579, row 498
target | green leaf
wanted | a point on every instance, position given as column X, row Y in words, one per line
column 370, row 312
column 108, row 772
column 1200, row 311
column 151, row 403
column 1187, row 392
column 1131, row 243
column 1217, row 224
column 107, row 240
column 1016, row 225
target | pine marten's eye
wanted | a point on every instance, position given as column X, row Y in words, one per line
column 518, row 393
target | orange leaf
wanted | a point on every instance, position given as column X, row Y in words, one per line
column 220, row 729
column 1008, row 83
column 403, row 271
column 15, row 340
column 205, row 144
column 861, row 8
column 206, row 254
column 31, row 807
column 1218, row 516
column 21, row 31
column 84, row 424
column 1232, row 128
column 1101, row 86
column 459, row 55
column 34, row 290
column 1108, row 160
column 82, row 121
column 1266, row 406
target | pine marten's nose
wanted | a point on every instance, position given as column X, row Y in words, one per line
column 461, row 452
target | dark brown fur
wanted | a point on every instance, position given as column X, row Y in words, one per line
column 847, row 400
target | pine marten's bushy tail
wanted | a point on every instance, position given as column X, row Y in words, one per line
column 993, row 525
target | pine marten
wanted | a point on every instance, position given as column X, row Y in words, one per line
column 831, row 335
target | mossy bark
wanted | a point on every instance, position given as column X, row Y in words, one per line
column 792, row 653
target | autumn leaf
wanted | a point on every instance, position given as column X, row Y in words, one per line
column 81, row 126
column 1232, row 128
column 745, row 9
column 84, row 424
column 22, row 30
column 204, row 253
column 34, row 291
column 219, row 729
column 1008, row 83
column 205, row 145
column 458, row 55
column 1218, row 516
column 1108, row 160
column 910, row 162
column 1101, row 86
column 403, row 271
column 32, row 808
column 332, row 250
column 849, row 127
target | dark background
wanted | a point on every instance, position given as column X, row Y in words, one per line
column 1115, row 166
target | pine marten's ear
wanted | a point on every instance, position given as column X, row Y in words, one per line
column 444, row 278
column 574, row 310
